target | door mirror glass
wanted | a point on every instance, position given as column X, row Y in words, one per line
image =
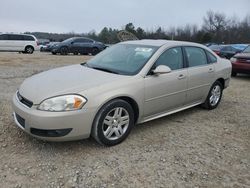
column 162, row 69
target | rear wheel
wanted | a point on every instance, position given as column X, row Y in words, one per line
column 214, row 96
column 113, row 123
column 64, row 51
column 29, row 50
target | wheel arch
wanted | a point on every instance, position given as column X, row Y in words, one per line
column 222, row 81
column 29, row 45
column 126, row 98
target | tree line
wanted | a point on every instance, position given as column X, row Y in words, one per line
column 216, row 27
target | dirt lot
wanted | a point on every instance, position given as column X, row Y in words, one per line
column 193, row 148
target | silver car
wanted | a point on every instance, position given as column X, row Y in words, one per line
column 129, row 83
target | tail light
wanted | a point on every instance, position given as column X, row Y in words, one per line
column 217, row 52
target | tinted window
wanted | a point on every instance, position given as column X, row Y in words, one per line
column 172, row 58
column 196, row 56
column 15, row 37
column 211, row 57
column 82, row 40
column 3, row 37
column 28, row 38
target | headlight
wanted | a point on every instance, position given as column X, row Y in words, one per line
column 63, row 103
column 233, row 59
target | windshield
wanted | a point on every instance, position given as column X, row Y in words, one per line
column 247, row 50
column 126, row 59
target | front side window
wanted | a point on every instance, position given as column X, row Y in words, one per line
column 126, row 59
column 82, row 40
column 196, row 56
column 3, row 37
column 172, row 58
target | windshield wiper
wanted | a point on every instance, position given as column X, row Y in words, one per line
column 99, row 68
column 105, row 70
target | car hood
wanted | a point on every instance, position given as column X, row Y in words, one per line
column 66, row 80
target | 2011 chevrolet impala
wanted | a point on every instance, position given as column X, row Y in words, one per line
column 129, row 83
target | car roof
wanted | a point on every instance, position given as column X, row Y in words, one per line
column 158, row 43
column 16, row 34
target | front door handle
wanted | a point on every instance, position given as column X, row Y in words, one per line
column 181, row 76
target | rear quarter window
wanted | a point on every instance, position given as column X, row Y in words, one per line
column 211, row 58
column 28, row 38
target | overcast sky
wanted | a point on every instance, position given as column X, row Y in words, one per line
column 86, row 15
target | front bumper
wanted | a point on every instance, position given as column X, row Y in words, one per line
column 72, row 125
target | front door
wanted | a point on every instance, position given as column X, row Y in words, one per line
column 166, row 92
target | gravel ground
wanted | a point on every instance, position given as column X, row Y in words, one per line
column 193, row 148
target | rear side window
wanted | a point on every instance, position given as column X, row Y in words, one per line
column 172, row 58
column 28, row 38
column 3, row 37
column 196, row 56
column 211, row 57
column 15, row 37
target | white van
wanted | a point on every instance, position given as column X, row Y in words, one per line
column 18, row 43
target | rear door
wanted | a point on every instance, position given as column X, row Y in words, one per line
column 166, row 92
column 200, row 74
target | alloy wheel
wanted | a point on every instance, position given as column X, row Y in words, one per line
column 115, row 123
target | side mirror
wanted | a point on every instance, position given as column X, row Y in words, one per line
column 162, row 69
column 72, row 42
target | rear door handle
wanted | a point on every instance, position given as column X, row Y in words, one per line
column 210, row 70
column 181, row 76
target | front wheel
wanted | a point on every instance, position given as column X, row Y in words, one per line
column 94, row 51
column 64, row 51
column 113, row 123
column 214, row 96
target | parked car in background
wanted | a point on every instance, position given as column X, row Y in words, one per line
column 210, row 44
column 78, row 45
column 18, row 43
column 241, row 62
column 225, row 51
column 128, row 83
column 48, row 47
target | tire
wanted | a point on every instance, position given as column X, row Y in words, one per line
column 54, row 53
column 94, row 51
column 214, row 96
column 75, row 53
column 233, row 74
column 29, row 49
column 64, row 50
column 113, row 123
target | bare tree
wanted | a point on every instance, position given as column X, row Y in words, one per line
column 214, row 22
